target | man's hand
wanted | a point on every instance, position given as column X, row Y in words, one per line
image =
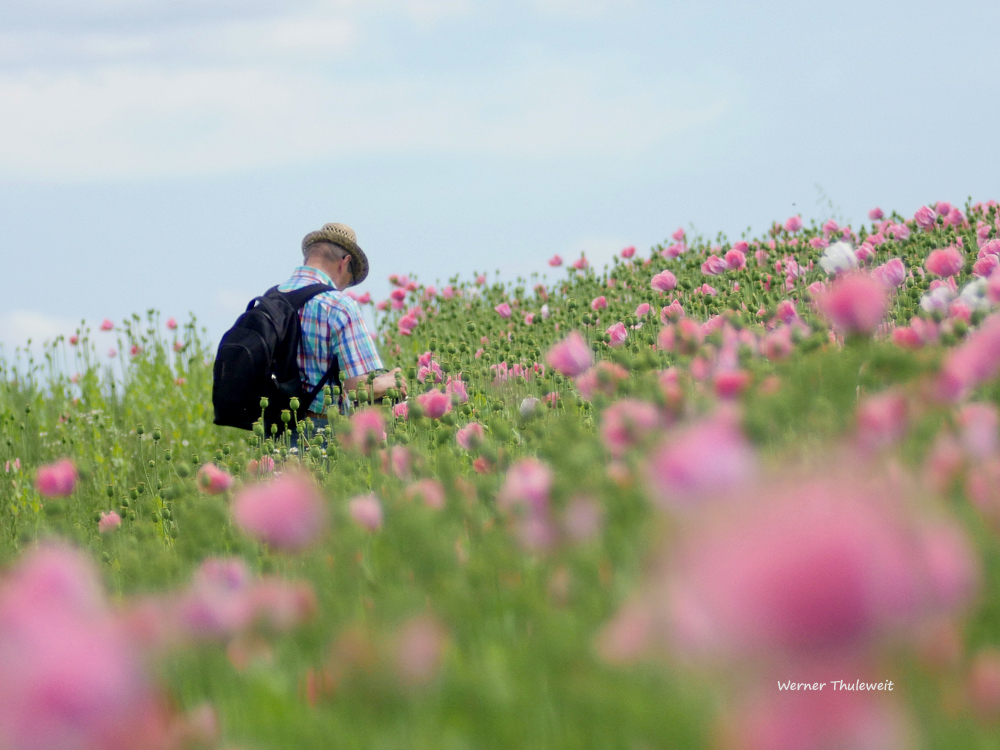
column 385, row 381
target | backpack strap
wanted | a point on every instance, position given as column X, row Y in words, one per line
column 298, row 297
column 255, row 300
column 332, row 373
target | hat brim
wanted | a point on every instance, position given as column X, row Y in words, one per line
column 359, row 261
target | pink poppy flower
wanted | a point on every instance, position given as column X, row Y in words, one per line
column 786, row 312
column 581, row 264
column 74, row 340
column 212, row 480
column 72, row 676
column 854, row 304
column 731, row 383
column 555, row 261
column 891, row 274
column 985, row 266
column 457, row 390
column 435, row 404
column 288, row 513
column 643, row 310
column 975, row 361
column 366, row 511
column 601, row 378
column 678, row 234
column 430, row 491
column 815, row 566
column 572, row 356
column 714, row 266
column 876, row 214
column 703, row 460
column 598, row 303
column 260, row 468
column 481, row 280
column 664, row 281
column 109, row 522
column 945, row 262
column 900, row 232
column 432, row 373
column 112, row 353
column 793, row 224
column 527, row 484
column 685, row 337
column 955, row 218
column 503, row 310
column 671, row 313
column 627, row 424
column 925, row 217
column 675, row 250
column 618, row 334
column 628, row 252
column 57, row 479
column 171, row 324
column 401, row 411
column 529, row 319
column 367, row 429
column 470, row 437
column 107, row 325
column 736, row 260
column 406, row 324
column 864, row 252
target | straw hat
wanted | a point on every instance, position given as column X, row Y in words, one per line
column 344, row 236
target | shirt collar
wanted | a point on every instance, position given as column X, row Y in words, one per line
column 309, row 272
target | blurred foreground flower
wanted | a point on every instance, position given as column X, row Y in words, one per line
column 58, row 479
column 287, row 513
column 70, row 677
column 212, row 480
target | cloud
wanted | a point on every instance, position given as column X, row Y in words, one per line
column 20, row 326
column 136, row 122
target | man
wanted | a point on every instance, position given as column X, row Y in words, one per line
column 331, row 322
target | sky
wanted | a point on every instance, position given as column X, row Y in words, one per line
column 171, row 154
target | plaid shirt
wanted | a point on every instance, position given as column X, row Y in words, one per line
column 331, row 324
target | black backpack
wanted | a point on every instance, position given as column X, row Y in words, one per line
column 258, row 358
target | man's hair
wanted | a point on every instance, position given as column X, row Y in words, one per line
column 328, row 251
